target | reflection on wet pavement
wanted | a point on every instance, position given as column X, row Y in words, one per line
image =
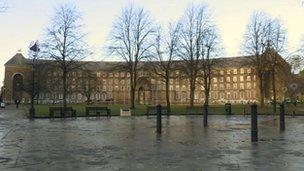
column 130, row 143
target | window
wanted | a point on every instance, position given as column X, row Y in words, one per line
column 221, row 79
column 242, row 95
column 235, row 86
column 215, row 95
column 248, row 78
column 122, row 74
column 248, row 94
column 228, row 71
column 110, row 88
column 228, row 79
column 242, row 86
column 79, row 96
column 98, row 74
column 234, row 79
column 222, row 72
column 214, row 86
column 110, row 81
column 222, row 87
column 242, row 70
column 116, row 88
column 248, row 86
column 241, row 78
column 249, row 70
column 228, row 95
column 171, row 81
column 215, row 80
column 110, row 74
column 234, row 71
column 235, row 95
column 228, row 86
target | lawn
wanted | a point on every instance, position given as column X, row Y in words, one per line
column 237, row 109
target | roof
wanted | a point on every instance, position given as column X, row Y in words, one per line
column 18, row 59
column 223, row 62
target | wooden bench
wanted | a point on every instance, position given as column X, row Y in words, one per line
column 194, row 110
column 152, row 110
column 59, row 112
column 98, row 111
column 294, row 110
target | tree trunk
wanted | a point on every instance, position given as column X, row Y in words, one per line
column 261, row 89
column 207, row 90
column 274, row 91
column 168, row 96
column 132, row 98
column 64, row 92
column 192, row 90
column 132, row 92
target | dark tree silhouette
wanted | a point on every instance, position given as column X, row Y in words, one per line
column 65, row 43
column 131, row 40
column 198, row 40
column 162, row 61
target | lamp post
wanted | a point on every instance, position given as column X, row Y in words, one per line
column 35, row 50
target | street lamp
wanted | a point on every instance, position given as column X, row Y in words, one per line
column 35, row 49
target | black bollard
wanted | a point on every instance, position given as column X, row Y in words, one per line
column 254, row 123
column 282, row 117
column 158, row 119
column 205, row 112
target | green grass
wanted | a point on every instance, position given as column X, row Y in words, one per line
column 237, row 109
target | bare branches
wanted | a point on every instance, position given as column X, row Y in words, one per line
column 264, row 40
column 131, row 40
column 65, row 42
column 198, row 44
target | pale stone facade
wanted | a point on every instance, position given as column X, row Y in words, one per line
column 234, row 80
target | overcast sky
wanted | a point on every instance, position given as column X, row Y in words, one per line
column 26, row 20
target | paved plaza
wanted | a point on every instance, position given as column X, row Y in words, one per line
column 130, row 143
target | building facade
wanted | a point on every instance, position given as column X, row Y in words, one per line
column 234, row 80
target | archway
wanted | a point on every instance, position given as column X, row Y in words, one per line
column 17, row 87
column 141, row 95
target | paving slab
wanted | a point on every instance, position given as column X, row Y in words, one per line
column 130, row 143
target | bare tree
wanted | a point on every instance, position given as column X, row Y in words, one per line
column 276, row 42
column 131, row 40
column 255, row 44
column 65, row 43
column 196, row 39
column 162, row 63
column 209, row 50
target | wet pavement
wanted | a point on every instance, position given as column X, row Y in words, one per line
column 130, row 143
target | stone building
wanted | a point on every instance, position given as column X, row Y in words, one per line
column 234, row 80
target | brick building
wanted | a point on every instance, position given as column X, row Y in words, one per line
column 234, row 80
